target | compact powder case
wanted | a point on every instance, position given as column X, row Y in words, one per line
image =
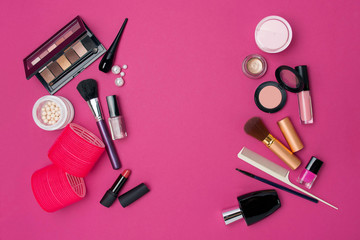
column 64, row 55
column 271, row 96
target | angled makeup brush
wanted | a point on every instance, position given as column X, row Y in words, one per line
column 107, row 60
column 88, row 89
column 256, row 128
column 278, row 186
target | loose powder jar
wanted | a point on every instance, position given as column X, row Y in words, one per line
column 254, row 66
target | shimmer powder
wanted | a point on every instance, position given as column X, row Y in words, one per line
column 254, row 66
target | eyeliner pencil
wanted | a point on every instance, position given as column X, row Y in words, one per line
column 278, row 186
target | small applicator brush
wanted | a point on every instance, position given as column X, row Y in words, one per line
column 256, row 128
column 88, row 89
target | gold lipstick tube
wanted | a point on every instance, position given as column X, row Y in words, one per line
column 282, row 152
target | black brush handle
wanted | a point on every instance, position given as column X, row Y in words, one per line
column 107, row 60
column 109, row 145
column 278, row 186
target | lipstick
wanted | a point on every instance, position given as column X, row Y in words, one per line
column 110, row 196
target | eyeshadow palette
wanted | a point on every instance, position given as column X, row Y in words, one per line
column 64, row 55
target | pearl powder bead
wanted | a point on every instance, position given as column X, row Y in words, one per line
column 56, row 118
column 45, row 121
column 125, row 66
column 48, row 117
column 115, row 69
column 119, row 82
column 43, row 113
column 122, row 74
column 47, row 108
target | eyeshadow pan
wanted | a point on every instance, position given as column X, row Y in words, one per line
column 47, row 75
column 63, row 62
column 60, row 40
column 44, row 54
column 52, row 47
column 79, row 49
column 68, row 34
column 88, row 43
column 71, row 55
column 55, row 68
column 35, row 61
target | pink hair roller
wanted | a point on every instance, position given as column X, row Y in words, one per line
column 55, row 189
column 76, row 150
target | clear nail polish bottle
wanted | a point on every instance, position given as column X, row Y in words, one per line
column 116, row 120
column 309, row 174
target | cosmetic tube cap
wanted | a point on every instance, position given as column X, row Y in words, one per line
column 113, row 106
column 108, row 199
column 289, row 132
column 134, row 194
column 231, row 215
column 314, row 165
column 302, row 70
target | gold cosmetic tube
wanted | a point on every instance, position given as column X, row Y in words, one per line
column 282, row 152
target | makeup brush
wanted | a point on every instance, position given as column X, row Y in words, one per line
column 278, row 186
column 88, row 89
column 107, row 60
column 256, row 128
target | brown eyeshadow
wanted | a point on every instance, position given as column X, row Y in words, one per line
column 79, row 49
column 55, row 68
column 71, row 55
column 63, row 62
column 60, row 40
column 47, row 75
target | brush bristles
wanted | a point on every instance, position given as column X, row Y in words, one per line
column 88, row 89
column 256, row 128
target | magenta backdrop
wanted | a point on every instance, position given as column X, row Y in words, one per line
column 185, row 102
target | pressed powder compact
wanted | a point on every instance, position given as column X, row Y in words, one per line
column 271, row 97
column 254, row 66
column 63, row 56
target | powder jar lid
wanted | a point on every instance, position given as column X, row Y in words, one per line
column 289, row 79
column 314, row 165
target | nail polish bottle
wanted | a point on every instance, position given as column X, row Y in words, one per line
column 304, row 98
column 253, row 207
column 309, row 174
column 116, row 120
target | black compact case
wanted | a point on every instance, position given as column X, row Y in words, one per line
column 62, row 57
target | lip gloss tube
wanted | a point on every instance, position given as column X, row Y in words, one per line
column 304, row 98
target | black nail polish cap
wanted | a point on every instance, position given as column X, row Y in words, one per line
column 134, row 194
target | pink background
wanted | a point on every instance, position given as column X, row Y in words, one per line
column 185, row 102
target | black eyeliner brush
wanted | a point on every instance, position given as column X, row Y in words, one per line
column 278, row 186
column 107, row 60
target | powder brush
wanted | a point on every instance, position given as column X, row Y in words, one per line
column 88, row 89
column 256, row 128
